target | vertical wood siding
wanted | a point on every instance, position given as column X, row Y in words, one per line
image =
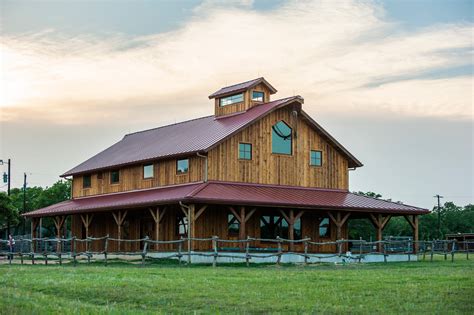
column 279, row 169
column 131, row 178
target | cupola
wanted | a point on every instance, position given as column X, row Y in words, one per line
column 240, row 97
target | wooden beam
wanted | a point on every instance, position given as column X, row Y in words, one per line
column 235, row 214
column 412, row 224
column 200, row 211
column 162, row 214
column 386, row 220
column 298, row 215
column 242, row 226
column 119, row 217
column 250, row 214
column 285, row 216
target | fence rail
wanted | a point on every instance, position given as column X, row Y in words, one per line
column 352, row 250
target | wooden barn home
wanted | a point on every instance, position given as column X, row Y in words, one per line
column 258, row 167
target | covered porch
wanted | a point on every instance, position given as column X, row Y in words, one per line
column 233, row 212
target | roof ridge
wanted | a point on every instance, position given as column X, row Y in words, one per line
column 177, row 123
column 224, row 87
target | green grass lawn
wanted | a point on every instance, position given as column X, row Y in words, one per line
column 418, row 287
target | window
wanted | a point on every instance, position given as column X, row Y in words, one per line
column 324, row 228
column 182, row 166
column 237, row 98
column 181, row 225
column 233, row 225
column 148, row 171
column 316, row 158
column 86, row 181
column 245, row 151
column 272, row 226
column 257, row 96
column 281, row 138
column 114, row 177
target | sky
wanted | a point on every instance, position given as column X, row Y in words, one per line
column 391, row 80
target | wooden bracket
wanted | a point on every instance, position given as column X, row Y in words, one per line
column 338, row 221
column 235, row 214
column 380, row 221
column 119, row 217
column 200, row 211
column 87, row 219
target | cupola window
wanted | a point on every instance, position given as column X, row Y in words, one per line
column 281, row 138
column 236, row 98
column 257, row 96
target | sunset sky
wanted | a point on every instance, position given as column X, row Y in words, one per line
column 391, row 80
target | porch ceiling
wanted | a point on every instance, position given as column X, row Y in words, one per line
column 231, row 193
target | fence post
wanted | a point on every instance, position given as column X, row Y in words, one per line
column 87, row 250
column 189, row 251
column 32, row 250
column 279, row 250
column 306, row 251
column 339, row 248
column 106, row 248
column 21, row 250
column 453, row 250
column 144, row 252
column 424, row 250
column 214, row 246
column 432, row 251
column 466, row 248
column 247, row 251
column 445, row 248
column 58, row 247
column 73, row 249
column 360, row 250
column 385, row 252
column 180, row 245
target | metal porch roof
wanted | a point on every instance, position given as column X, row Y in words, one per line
column 230, row 193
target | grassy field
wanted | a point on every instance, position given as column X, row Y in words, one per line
column 417, row 287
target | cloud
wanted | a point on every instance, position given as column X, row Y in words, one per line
column 341, row 56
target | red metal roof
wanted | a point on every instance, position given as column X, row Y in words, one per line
column 231, row 193
column 240, row 87
column 197, row 135
column 189, row 137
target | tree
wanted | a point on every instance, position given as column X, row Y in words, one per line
column 8, row 213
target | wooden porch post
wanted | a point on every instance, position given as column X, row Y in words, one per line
column 243, row 217
column 119, row 217
column 339, row 221
column 379, row 222
column 157, row 215
column 414, row 225
column 58, row 223
column 87, row 220
column 291, row 219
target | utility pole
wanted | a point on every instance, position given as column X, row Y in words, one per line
column 9, row 176
column 24, row 201
column 439, row 214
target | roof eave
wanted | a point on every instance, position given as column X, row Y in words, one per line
column 261, row 80
column 353, row 161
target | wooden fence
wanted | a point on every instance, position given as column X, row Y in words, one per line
column 62, row 249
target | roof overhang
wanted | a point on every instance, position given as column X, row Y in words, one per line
column 231, row 193
column 242, row 87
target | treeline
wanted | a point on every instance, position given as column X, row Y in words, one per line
column 454, row 218
column 19, row 202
